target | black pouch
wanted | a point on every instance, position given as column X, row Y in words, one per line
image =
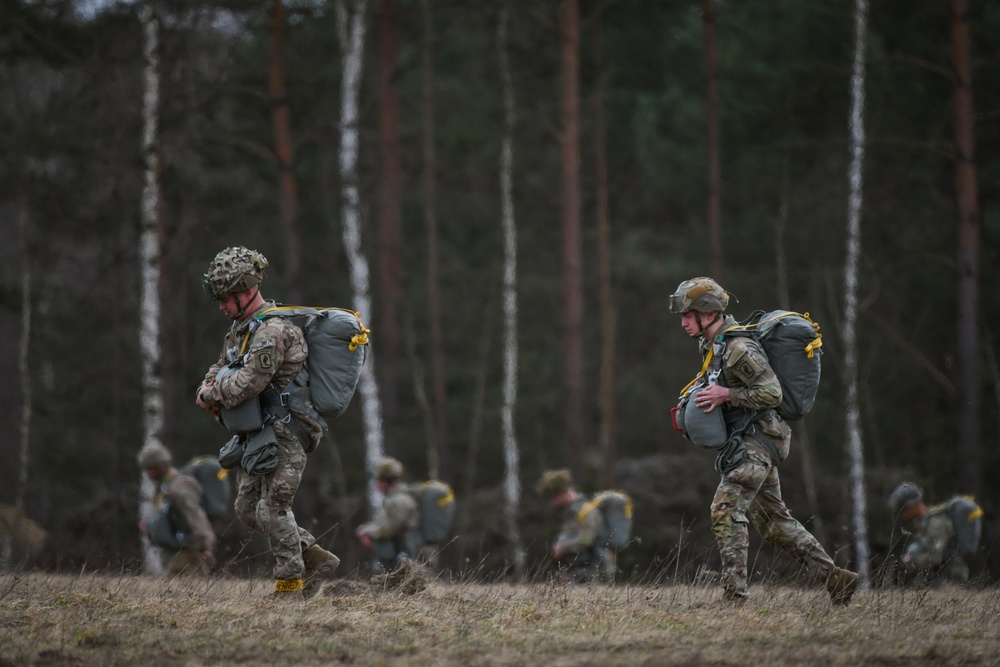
column 231, row 454
column 261, row 454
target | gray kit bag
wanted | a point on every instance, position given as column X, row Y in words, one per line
column 245, row 417
column 261, row 454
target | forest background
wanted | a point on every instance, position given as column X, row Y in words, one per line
column 773, row 179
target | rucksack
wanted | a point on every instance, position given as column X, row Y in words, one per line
column 967, row 518
column 792, row 344
column 338, row 344
column 616, row 508
column 214, row 481
column 436, row 504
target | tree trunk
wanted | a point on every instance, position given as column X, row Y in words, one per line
column 512, row 482
column 967, row 193
column 24, row 357
column 288, row 198
column 351, row 28
column 438, row 391
column 713, row 218
column 608, row 398
column 569, row 23
column 856, row 181
column 151, row 244
column 389, row 213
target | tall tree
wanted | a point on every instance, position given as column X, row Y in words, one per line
column 569, row 140
column 512, row 480
column 390, row 243
column 606, row 304
column 288, row 198
column 713, row 218
column 439, row 445
column 351, row 31
column 150, row 252
column 24, row 348
column 967, row 194
column 856, row 181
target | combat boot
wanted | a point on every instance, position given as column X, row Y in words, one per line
column 841, row 585
column 320, row 565
column 287, row 589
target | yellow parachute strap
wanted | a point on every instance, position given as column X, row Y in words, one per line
column 287, row 585
column 704, row 367
column 444, row 500
column 810, row 348
column 976, row 513
column 596, row 502
column 357, row 339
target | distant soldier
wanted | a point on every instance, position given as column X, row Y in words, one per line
column 740, row 381
column 592, row 527
column 258, row 361
column 394, row 534
column 180, row 527
column 944, row 535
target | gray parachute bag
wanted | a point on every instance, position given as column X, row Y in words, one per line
column 214, row 482
column 967, row 518
column 436, row 503
column 616, row 508
column 792, row 344
column 705, row 429
column 338, row 345
column 245, row 417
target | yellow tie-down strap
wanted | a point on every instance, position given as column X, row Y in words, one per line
column 810, row 349
column 287, row 585
column 596, row 502
column 357, row 339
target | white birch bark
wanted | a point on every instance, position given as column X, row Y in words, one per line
column 855, row 448
column 23, row 358
column 351, row 30
column 149, row 253
column 512, row 483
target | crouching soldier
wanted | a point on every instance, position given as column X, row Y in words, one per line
column 394, row 535
column 179, row 525
column 593, row 528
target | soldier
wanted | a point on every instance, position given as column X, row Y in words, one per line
column 264, row 356
column 180, row 527
column 582, row 548
column 944, row 535
column 739, row 376
column 393, row 536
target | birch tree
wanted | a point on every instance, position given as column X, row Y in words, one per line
column 150, row 248
column 512, row 483
column 351, row 31
column 855, row 179
column 23, row 356
column 713, row 219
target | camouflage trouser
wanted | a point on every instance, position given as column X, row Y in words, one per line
column 265, row 504
column 752, row 488
column 187, row 561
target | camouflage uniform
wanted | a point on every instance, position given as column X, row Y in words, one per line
column 182, row 493
column 933, row 552
column 274, row 351
column 584, row 547
column 394, row 531
column 750, row 490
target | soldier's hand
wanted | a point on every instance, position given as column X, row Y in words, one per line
column 205, row 386
column 208, row 557
column 711, row 397
column 363, row 537
column 557, row 552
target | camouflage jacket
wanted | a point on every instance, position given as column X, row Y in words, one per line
column 272, row 350
column 399, row 513
column 182, row 494
column 739, row 363
column 581, row 528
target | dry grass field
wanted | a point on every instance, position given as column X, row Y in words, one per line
column 95, row 619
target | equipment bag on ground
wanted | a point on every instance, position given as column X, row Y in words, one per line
column 436, row 502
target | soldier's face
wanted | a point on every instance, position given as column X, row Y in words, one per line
column 232, row 303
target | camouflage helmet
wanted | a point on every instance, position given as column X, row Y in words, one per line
column 554, row 482
column 387, row 469
column 905, row 495
column 154, row 455
column 235, row 269
column 702, row 295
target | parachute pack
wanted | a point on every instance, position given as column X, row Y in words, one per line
column 338, row 344
column 616, row 508
column 792, row 344
column 967, row 518
column 168, row 528
column 436, row 503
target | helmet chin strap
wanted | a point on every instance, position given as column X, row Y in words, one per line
column 243, row 308
column 702, row 328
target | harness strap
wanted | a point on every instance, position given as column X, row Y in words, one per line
column 277, row 404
